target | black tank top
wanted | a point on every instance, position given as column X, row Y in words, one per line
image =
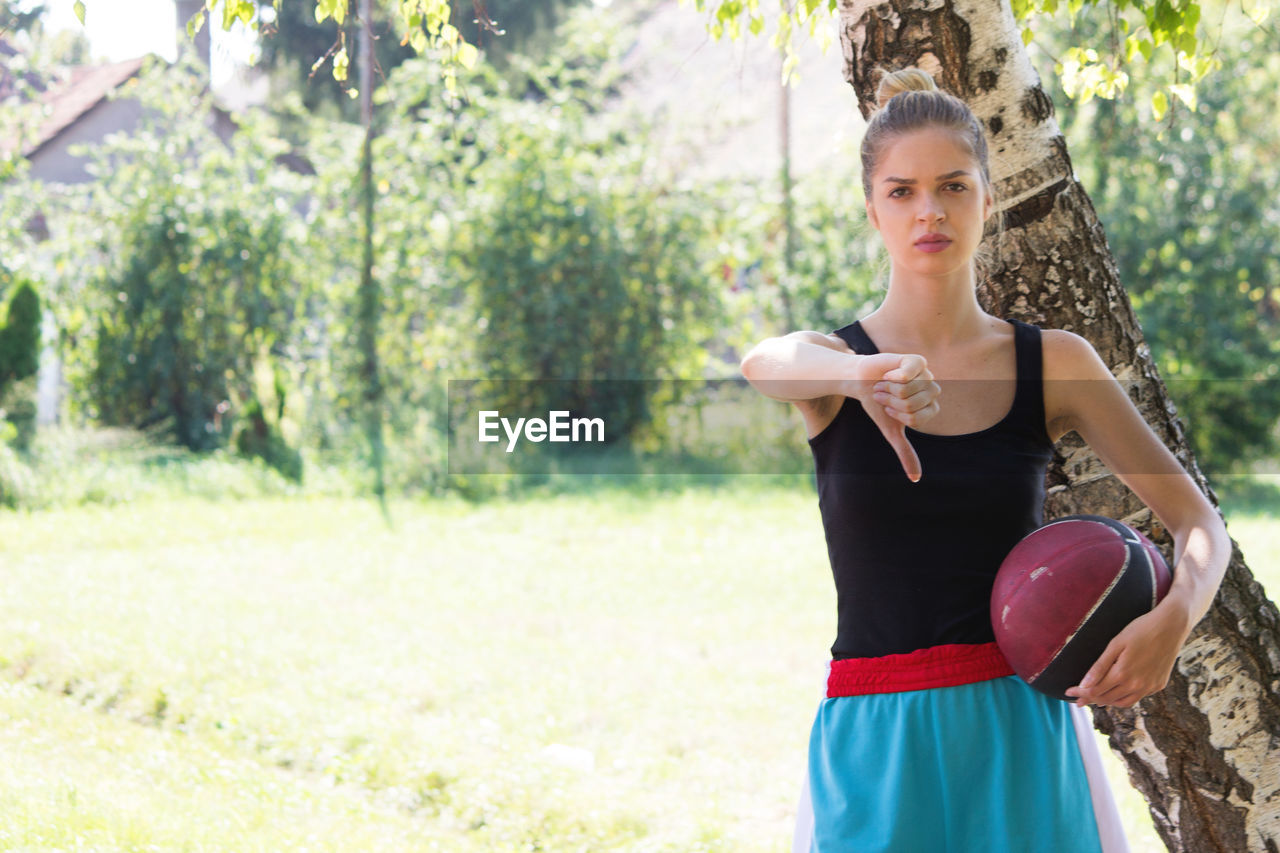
column 914, row 563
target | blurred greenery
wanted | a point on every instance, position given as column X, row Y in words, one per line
column 298, row 51
column 204, row 291
column 20, row 334
column 580, row 260
column 20, row 331
column 1189, row 207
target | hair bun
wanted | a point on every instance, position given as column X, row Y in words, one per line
column 904, row 80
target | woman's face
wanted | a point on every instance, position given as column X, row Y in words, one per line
column 927, row 183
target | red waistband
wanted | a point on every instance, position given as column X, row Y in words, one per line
column 936, row 666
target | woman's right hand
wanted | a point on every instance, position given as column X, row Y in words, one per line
column 897, row 391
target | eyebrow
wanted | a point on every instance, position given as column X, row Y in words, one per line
column 957, row 173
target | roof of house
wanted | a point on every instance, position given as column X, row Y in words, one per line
column 87, row 87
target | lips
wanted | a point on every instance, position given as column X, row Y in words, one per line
column 933, row 242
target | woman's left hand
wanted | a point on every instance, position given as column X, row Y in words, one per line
column 1138, row 662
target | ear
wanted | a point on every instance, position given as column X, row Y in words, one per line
column 988, row 206
column 871, row 215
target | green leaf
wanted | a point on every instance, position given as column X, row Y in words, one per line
column 1027, row 36
column 1159, row 104
column 1130, row 48
column 340, row 63
column 467, row 55
column 79, row 7
column 1186, row 93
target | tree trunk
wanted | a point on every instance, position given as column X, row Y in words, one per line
column 1205, row 752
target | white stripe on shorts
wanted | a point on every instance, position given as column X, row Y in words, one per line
column 1110, row 830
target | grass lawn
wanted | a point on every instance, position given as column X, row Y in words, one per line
column 609, row 671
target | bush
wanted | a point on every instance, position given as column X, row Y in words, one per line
column 580, row 260
column 259, row 438
column 20, row 336
column 195, row 272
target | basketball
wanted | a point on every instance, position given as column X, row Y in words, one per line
column 1066, row 590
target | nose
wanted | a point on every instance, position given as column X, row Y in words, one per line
column 930, row 208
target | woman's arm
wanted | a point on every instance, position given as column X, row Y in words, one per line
column 801, row 366
column 812, row 370
column 1082, row 395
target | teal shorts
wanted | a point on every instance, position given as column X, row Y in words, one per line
column 991, row 766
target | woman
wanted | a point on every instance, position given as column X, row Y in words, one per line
column 926, row 741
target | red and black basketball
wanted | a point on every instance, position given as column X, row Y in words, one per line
column 1066, row 590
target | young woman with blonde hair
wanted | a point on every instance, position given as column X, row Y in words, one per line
column 926, row 741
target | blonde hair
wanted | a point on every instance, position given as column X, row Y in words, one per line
column 908, row 100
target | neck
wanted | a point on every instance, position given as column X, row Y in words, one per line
column 933, row 313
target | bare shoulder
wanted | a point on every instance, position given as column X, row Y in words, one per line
column 1067, row 355
column 1074, row 376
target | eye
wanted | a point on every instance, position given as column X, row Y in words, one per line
column 957, row 184
column 894, row 192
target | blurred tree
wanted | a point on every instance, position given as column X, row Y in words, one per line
column 1191, row 216
column 18, row 17
column 20, row 335
column 579, row 258
column 193, row 268
column 296, row 47
column 447, row 164
column 19, row 356
column 524, row 27
column 23, row 26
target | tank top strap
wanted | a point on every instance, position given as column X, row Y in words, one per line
column 857, row 339
column 1028, row 402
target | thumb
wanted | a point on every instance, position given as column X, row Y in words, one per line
column 1082, row 692
column 1101, row 667
column 895, row 432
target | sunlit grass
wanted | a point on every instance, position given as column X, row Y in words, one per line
column 443, row 667
column 597, row 671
